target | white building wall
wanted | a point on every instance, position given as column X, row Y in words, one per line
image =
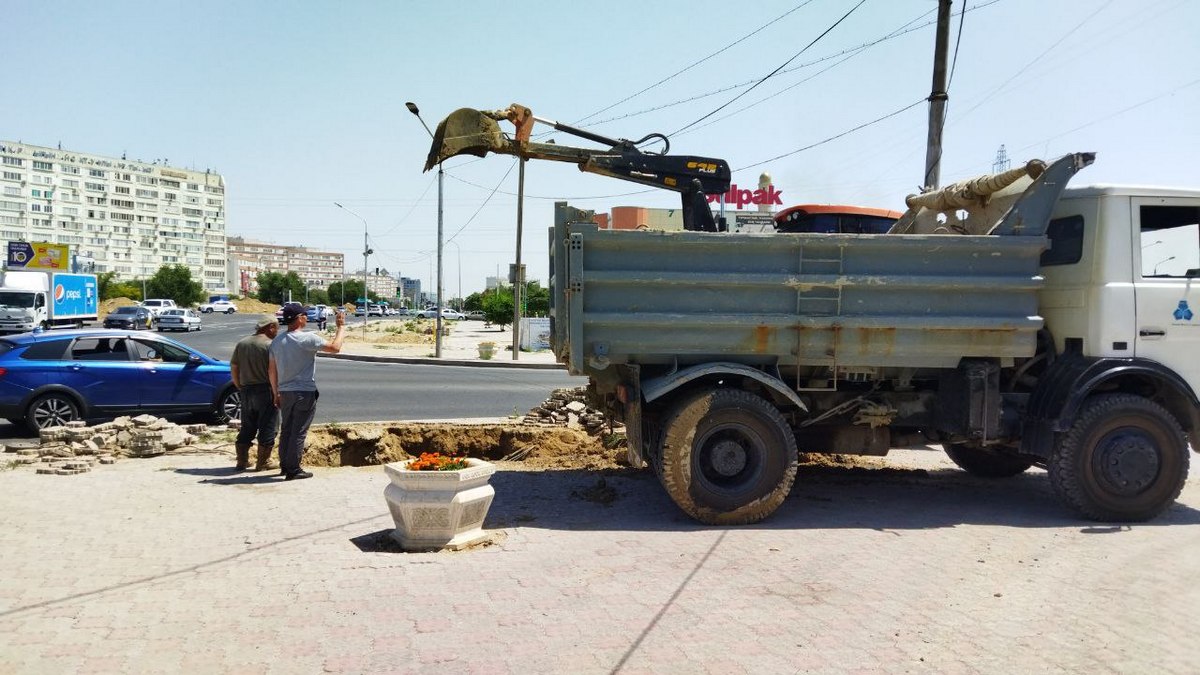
column 130, row 217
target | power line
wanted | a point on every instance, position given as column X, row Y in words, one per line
column 413, row 208
column 835, row 137
column 696, row 63
column 485, row 202
column 773, row 72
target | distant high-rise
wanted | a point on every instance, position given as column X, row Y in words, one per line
column 118, row 215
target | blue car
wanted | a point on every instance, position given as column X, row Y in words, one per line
column 50, row 378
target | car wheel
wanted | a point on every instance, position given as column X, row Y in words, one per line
column 51, row 410
column 229, row 406
column 230, row 311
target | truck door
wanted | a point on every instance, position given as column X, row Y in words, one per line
column 1168, row 286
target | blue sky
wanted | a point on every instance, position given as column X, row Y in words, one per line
column 300, row 104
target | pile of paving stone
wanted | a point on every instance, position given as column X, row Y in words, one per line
column 568, row 407
column 76, row 447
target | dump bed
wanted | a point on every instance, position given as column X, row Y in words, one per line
column 839, row 300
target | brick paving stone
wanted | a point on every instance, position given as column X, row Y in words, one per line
column 172, row 571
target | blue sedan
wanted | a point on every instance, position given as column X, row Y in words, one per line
column 50, row 378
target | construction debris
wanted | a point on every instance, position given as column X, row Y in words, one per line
column 76, row 447
column 569, row 408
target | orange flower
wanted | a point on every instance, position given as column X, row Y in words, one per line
column 436, row 461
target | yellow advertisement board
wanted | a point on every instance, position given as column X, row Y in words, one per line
column 38, row 255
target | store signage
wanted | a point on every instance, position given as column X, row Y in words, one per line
column 741, row 198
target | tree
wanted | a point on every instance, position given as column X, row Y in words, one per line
column 175, row 282
column 498, row 306
column 275, row 287
column 353, row 291
column 104, row 282
column 124, row 289
column 536, row 300
column 473, row 303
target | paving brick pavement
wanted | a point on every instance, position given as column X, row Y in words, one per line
column 172, row 564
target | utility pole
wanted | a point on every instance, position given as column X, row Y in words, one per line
column 518, row 278
column 938, row 98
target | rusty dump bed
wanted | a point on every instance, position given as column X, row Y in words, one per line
column 844, row 301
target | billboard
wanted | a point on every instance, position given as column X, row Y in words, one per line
column 38, row 255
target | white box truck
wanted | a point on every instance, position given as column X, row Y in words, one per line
column 32, row 299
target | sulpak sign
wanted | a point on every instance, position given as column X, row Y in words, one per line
column 742, row 198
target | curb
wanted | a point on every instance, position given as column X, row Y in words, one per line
column 426, row 361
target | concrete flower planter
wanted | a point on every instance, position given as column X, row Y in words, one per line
column 439, row 509
column 487, row 350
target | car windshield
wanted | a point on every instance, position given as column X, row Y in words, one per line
column 126, row 310
column 11, row 299
column 173, row 312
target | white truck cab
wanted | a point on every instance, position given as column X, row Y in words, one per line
column 1122, row 276
column 156, row 305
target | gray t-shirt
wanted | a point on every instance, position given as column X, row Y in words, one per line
column 295, row 355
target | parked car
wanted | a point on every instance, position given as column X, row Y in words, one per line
column 404, row 311
column 219, row 306
column 360, row 311
column 447, row 313
column 374, row 310
column 279, row 315
column 475, row 315
column 133, row 317
column 53, row 378
column 179, row 319
column 156, row 305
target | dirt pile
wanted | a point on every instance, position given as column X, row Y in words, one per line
column 107, row 306
column 535, row 447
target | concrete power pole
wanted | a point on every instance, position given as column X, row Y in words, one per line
column 938, row 98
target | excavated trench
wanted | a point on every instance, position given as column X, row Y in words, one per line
column 537, row 447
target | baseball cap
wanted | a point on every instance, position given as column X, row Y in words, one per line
column 264, row 321
column 292, row 310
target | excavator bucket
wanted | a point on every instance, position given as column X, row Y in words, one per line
column 465, row 131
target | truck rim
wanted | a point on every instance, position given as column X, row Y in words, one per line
column 1126, row 460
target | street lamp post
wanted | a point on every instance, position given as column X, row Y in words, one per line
column 366, row 253
column 1161, row 262
column 437, row 350
column 458, row 250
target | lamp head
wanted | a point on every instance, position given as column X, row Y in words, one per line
column 412, row 108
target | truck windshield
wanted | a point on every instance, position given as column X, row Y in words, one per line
column 11, row 299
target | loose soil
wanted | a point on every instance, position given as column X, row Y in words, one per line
column 536, row 447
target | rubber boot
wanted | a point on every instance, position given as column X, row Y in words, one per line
column 243, row 456
column 264, row 462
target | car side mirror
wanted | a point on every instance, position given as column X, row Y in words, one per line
column 193, row 360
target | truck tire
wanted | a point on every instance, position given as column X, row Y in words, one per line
column 1124, row 459
column 51, row 410
column 986, row 463
column 727, row 457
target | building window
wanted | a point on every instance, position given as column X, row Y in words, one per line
column 96, row 173
column 73, row 170
column 12, row 192
column 42, row 166
column 193, row 186
column 11, row 175
column 13, row 161
column 70, row 183
column 12, row 206
column 97, row 187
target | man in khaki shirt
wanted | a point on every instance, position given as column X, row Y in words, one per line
column 260, row 417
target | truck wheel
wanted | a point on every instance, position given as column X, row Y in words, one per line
column 1124, row 459
column 986, row 463
column 727, row 457
column 51, row 410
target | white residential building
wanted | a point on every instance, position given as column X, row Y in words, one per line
column 128, row 217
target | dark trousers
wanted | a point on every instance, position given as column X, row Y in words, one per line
column 260, row 417
column 296, row 409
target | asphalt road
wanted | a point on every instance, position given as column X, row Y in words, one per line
column 353, row 391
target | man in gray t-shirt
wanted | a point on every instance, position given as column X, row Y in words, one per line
column 293, row 374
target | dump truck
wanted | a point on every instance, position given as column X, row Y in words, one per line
column 1013, row 321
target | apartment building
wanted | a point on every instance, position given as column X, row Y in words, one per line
column 125, row 216
column 318, row 269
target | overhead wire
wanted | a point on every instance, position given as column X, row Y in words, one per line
column 696, row 63
column 773, row 72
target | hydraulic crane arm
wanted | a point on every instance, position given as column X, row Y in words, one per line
column 467, row 131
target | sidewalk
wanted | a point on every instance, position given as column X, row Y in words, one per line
column 175, row 564
column 459, row 348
